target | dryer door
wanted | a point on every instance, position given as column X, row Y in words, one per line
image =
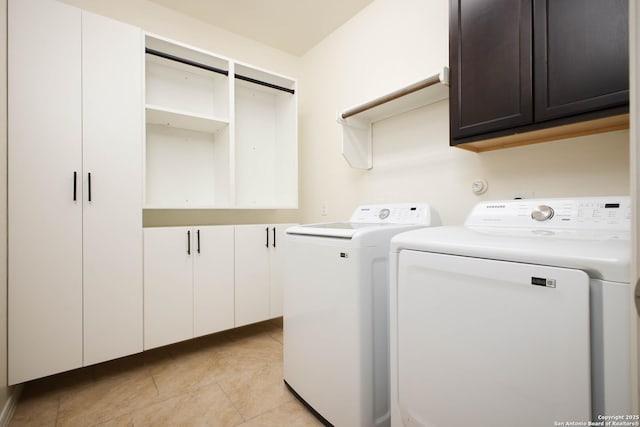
column 491, row 343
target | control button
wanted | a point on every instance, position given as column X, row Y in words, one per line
column 384, row 213
column 542, row 213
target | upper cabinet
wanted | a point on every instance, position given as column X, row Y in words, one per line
column 581, row 53
column 219, row 134
column 489, row 66
column 534, row 70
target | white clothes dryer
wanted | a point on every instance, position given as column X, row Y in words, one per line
column 519, row 317
column 336, row 312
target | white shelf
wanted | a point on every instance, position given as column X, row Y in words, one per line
column 183, row 120
column 356, row 121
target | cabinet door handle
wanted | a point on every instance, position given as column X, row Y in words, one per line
column 89, row 183
column 75, row 186
column 274, row 237
column 198, row 234
column 267, row 230
column 188, row 242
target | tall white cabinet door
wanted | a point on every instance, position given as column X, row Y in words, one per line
column 168, row 285
column 276, row 261
column 112, row 227
column 213, row 280
column 45, row 223
column 252, row 273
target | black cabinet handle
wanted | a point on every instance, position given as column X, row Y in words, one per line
column 267, row 229
column 274, row 237
column 188, row 242
column 75, row 186
column 89, row 182
column 198, row 234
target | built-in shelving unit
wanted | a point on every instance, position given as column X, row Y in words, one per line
column 219, row 134
column 357, row 121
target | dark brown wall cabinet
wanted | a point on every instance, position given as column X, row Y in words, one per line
column 526, row 65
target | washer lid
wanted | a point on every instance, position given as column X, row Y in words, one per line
column 603, row 255
column 343, row 230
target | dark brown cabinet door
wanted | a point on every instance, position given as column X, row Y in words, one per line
column 490, row 51
column 581, row 56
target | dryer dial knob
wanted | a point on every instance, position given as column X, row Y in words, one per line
column 384, row 213
column 542, row 213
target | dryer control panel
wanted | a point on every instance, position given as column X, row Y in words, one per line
column 582, row 213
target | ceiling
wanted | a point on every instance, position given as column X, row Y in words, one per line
column 294, row 26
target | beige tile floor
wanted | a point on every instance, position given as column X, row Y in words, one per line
column 232, row 378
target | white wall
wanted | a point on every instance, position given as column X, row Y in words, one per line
column 392, row 43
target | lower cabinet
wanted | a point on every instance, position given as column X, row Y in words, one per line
column 276, row 264
column 188, row 283
column 258, row 272
column 201, row 280
column 213, row 280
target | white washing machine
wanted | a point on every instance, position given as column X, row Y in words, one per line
column 336, row 312
column 519, row 317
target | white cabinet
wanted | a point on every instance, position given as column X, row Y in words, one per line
column 45, row 219
column 213, row 280
column 112, row 161
column 219, row 134
column 188, row 282
column 74, row 149
column 276, row 270
column 168, row 286
column 252, row 274
column 258, row 266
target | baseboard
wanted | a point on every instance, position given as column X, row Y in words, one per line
column 10, row 406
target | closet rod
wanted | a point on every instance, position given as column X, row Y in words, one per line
column 260, row 82
column 429, row 81
column 215, row 70
column 185, row 61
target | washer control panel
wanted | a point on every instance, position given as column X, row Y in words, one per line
column 404, row 213
column 582, row 213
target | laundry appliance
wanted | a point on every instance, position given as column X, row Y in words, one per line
column 519, row 317
column 336, row 312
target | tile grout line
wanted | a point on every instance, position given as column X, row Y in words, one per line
column 244, row 420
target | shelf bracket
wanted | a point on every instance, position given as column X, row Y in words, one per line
column 356, row 142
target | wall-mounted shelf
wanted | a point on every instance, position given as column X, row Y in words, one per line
column 356, row 121
column 183, row 120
